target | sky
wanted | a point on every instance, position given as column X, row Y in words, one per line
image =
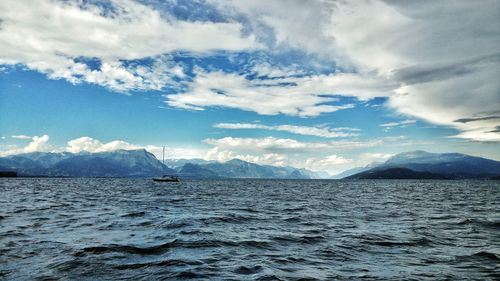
column 322, row 85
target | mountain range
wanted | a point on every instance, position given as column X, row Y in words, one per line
column 425, row 165
column 139, row 163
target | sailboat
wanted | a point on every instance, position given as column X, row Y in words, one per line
column 166, row 178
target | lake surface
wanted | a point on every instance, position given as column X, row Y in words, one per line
column 88, row 229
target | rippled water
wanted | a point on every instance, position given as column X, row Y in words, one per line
column 91, row 229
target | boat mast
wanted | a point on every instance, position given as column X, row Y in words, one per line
column 163, row 158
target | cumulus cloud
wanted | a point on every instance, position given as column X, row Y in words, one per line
column 222, row 155
column 92, row 145
column 326, row 163
column 88, row 144
column 330, row 156
column 52, row 37
column 324, row 132
column 37, row 144
column 331, row 163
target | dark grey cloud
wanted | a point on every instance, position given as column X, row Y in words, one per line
column 472, row 119
column 496, row 130
column 438, row 72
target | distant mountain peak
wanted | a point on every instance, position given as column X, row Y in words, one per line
column 117, row 163
column 447, row 165
column 237, row 162
column 413, row 154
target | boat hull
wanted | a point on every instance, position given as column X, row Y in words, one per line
column 165, row 180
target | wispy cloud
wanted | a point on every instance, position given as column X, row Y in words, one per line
column 399, row 123
column 323, row 132
column 306, row 96
column 21, row 137
column 281, row 144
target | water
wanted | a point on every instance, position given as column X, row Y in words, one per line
column 88, row 229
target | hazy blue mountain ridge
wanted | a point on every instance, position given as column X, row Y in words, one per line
column 355, row 170
column 119, row 163
column 195, row 171
column 446, row 165
column 139, row 163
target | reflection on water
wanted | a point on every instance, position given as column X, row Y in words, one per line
column 248, row 229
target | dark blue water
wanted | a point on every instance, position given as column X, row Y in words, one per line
column 97, row 229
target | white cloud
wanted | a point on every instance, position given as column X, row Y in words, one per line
column 267, row 70
column 281, row 24
column 37, row 144
column 324, row 132
column 273, row 159
column 400, row 123
column 51, row 37
column 437, row 61
column 176, row 152
column 277, row 144
column 409, row 43
column 331, row 156
column 439, row 58
column 326, row 163
column 88, row 144
column 364, row 159
column 92, row 145
column 222, row 155
column 21, row 137
column 331, row 163
column 305, row 96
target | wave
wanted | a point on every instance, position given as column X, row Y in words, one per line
column 171, row 262
column 133, row 215
column 304, row 239
column 163, row 248
column 482, row 223
column 177, row 225
column 248, row 270
column 387, row 241
column 227, row 219
column 486, row 256
column 153, row 250
column 486, row 261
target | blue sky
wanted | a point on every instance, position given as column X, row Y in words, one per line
column 325, row 85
